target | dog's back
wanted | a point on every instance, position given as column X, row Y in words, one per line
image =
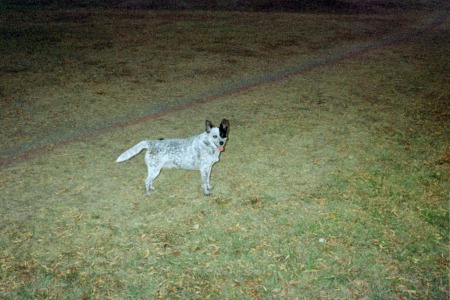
column 177, row 153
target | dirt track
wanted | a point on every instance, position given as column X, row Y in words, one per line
column 59, row 140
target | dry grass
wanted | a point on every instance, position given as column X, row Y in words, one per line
column 334, row 183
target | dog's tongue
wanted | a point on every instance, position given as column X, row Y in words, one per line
column 220, row 148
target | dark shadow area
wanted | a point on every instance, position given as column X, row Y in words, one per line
column 230, row 5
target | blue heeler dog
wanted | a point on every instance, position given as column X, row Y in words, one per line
column 199, row 152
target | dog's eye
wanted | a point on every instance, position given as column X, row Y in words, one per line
column 215, row 136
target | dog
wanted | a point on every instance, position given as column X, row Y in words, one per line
column 199, row 152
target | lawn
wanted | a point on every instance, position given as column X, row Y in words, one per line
column 334, row 183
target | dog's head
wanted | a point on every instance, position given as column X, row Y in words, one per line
column 217, row 136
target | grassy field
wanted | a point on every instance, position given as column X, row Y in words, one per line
column 334, row 183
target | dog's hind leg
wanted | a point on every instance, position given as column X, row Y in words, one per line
column 153, row 172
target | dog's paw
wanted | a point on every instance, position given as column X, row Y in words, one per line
column 149, row 191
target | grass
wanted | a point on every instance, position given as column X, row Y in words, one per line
column 333, row 185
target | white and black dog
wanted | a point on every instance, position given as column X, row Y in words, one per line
column 199, row 152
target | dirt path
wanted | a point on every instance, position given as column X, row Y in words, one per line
column 25, row 153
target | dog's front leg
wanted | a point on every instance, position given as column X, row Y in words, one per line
column 205, row 172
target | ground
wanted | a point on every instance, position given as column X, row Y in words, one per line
column 333, row 185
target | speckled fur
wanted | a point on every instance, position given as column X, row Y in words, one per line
column 199, row 152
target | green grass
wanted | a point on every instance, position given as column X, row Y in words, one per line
column 334, row 183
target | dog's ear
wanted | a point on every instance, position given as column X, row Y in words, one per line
column 224, row 126
column 209, row 126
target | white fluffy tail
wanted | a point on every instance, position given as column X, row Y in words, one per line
column 132, row 151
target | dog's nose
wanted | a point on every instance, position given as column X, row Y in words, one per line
column 221, row 143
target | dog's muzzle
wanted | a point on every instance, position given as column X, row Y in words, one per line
column 220, row 147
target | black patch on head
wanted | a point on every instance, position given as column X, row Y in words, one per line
column 223, row 132
column 160, row 139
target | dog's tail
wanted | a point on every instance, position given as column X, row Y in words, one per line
column 133, row 151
